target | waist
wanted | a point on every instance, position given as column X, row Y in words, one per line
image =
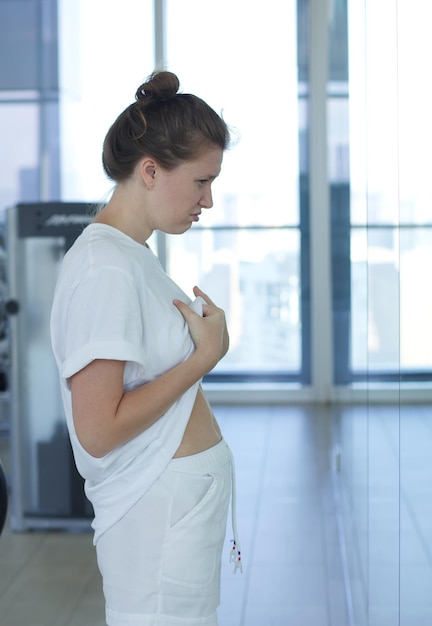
column 205, row 461
column 202, row 430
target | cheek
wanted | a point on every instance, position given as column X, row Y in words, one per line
column 181, row 196
column 172, row 199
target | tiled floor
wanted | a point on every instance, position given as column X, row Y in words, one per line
column 287, row 525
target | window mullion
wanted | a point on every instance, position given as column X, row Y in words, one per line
column 321, row 326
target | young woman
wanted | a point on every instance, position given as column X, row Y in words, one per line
column 131, row 349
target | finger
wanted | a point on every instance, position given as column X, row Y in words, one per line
column 184, row 309
column 198, row 292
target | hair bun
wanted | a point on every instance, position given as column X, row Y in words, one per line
column 160, row 86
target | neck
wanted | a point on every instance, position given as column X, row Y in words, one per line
column 125, row 213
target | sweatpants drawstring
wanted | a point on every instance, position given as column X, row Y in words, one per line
column 235, row 554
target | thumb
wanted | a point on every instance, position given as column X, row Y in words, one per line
column 183, row 308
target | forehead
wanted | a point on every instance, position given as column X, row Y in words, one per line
column 208, row 163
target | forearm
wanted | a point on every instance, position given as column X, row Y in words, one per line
column 106, row 416
column 143, row 406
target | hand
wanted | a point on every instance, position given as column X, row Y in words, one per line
column 209, row 333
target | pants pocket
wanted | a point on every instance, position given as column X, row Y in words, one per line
column 196, row 538
column 190, row 491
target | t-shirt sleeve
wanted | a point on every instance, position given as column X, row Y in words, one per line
column 103, row 321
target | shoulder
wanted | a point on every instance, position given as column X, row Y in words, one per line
column 102, row 247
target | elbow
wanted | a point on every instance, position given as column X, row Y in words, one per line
column 94, row 448
column 94, row 444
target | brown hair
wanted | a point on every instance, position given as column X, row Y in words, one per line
column 169, row 126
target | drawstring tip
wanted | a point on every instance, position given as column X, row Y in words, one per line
column 238, row 565
column 233, row 552
column 235, row 557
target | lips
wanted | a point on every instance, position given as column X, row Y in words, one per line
column 195, row 216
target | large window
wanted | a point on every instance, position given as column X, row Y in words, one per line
column 246, row 251
column 252, row 252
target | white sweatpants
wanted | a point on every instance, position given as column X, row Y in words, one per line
column 161, row 562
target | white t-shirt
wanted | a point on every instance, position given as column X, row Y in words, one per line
column 113, row 300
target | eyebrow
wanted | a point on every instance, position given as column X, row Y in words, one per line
column 212, row 176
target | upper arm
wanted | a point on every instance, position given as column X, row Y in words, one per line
column 96, row 390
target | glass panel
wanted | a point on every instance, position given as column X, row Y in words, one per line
column 19, row 132
column 359, row 301
column 375, row 300
column 390, row 309
column 385, row 468
column 390, row 139
column 256, row 91
column 415, row 300
column 19, row 22
column 374, row 166
column 253, row 276
column 414, row 105
column 389, row 146
column 99, row 79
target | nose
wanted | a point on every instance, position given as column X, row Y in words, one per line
column 206, row 201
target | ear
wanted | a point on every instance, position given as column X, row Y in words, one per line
column 147, row 170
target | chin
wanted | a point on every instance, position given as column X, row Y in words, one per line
column 179, row 230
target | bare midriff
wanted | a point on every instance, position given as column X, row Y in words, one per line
column 202, row 431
